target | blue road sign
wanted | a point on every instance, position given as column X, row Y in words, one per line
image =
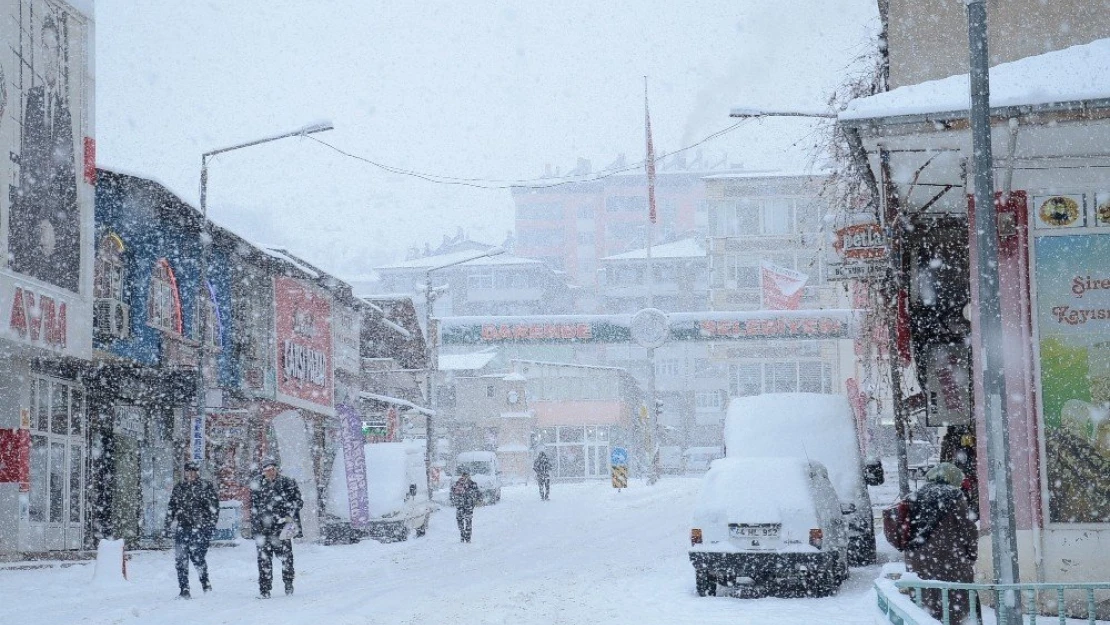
column 618, row 456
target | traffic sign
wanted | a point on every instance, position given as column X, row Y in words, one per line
column 618, row 456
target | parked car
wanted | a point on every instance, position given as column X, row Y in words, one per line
column 811, row 426
column 396, row 495
column 484, row 470
column 698, row 459
column 774, row 521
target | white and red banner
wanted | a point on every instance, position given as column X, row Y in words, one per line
column 781, row 288
column 304, row 349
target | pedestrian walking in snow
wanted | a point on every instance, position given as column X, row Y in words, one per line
column 944, row 541
column 464, row 496
column 194, row 509
column 542, row 467
column 275, row 520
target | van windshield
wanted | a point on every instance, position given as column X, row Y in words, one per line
column 474, row 467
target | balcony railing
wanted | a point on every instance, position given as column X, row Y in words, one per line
column 1064, row 603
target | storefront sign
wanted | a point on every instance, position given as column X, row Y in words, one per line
column 304, row 337
column 346, row 328
column 1073, row 323
column 196, row 438
column 856, row 271
column 38, row 319
column 689, row 326
column 864, row 241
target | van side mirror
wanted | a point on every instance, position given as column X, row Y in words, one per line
column 847, row 508
column 873, row 472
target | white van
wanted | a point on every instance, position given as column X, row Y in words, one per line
column 810, row 426
column 775, row 521
column 484, row 470
column 396, row 495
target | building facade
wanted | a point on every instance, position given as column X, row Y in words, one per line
column 46, row 276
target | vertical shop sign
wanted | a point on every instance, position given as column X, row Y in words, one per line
column 1073, row 322
column 196, row 438
column 354, row 462
column 15, row 458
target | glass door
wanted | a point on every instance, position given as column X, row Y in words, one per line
column 57, row 497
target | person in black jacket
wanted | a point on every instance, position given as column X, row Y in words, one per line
column 275, row 519
column 542, row 467
column 195, row 508
column 464, row 496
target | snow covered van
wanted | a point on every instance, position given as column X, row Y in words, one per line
column 396, row 495
column 810, row 426
column 775, row 521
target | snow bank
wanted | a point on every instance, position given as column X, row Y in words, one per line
column 110, row 569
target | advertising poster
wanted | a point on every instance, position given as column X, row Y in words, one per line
column 42, row 116
column 354, row 461
column 1073, row 321
column 304, row 349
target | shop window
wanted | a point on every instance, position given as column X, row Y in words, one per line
column 164, row 310
column 570, row 434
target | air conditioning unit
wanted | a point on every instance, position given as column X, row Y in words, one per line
column 112, row 318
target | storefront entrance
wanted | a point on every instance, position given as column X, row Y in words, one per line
column 576, row 451
column 58, row 456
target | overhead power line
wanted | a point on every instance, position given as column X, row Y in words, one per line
column 533, row 183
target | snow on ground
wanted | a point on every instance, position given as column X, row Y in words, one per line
column 591, row 554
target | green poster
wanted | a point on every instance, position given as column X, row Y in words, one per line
column 1073, row 319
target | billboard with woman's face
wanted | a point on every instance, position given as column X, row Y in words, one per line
column 44, row 118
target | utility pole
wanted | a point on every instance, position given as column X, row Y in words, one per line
column 1000, row 488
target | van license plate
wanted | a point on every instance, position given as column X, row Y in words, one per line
column 754, row 531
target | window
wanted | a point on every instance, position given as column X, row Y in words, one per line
column 585, row 212
column 165, row 306
column 539, row 211
column 707, row 401
column 778, row 216
column 541, row 237
column 207, row 307
column 626, row 203
column 109, row 269
column 745, row 379
column 782, row 377
column 480, row 279
column 586, row 238
column 668, row 367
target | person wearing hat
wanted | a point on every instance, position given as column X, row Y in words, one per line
column 464, row 496
column 944, row 542
column 194, row 508
column 275, row 519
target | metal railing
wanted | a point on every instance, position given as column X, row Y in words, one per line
column 1038, row 600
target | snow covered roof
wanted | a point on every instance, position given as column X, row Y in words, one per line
column 466, row 362
column 429, row 262
column 396, row 401
column 686, row 248
column 284, row 255
column 1074, row 74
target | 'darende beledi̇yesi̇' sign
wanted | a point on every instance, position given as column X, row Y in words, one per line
column 1073, row 322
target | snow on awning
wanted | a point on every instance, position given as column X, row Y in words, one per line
column 1069, row 76
column 397, row 401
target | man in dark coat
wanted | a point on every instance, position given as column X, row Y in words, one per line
column 275, row 515
column 542, row 467
column 464, row 496
column 195, row 508
column 945, row 539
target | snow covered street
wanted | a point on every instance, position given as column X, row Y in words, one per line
column 591, row 554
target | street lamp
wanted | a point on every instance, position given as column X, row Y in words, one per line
column 205, row 242
column 429, row 353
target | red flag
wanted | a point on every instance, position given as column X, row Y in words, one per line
column 782, row 287
column 650, row 158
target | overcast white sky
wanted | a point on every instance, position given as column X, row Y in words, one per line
column 479, row 89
